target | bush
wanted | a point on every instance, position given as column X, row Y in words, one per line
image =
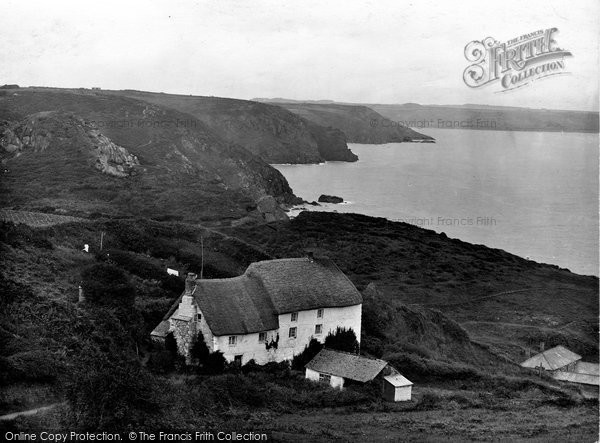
column 199, row 349
column 20, row 235
column 309, row 352
column 39, row 366
column 106, row 284
column 342, row 340
column 161, row 362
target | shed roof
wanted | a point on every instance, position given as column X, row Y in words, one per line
column 552, row 359
column 251, row 302
column 346, row 365
column 161, row 330
column 398, row 380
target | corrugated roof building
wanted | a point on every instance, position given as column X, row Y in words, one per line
column 557, row 358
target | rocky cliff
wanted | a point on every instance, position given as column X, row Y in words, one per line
column 361, row 124
column 87, row 153
column 271, row 132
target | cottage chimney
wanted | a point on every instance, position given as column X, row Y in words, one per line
column 81, row 296
column 190, row 282
column 542, row 346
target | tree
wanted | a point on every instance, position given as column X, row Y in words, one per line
column 343, row 340
column 106, row 284
column 311, row 349
column 199, row 350
column 171, row 344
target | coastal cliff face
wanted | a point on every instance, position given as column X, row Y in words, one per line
column 270, row 132
column 86, row 153
column 361, row 124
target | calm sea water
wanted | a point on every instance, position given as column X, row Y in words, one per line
column 534, row 194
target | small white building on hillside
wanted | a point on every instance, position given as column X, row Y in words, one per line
column 268, row 314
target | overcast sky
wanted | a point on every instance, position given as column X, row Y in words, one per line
column 354, row 51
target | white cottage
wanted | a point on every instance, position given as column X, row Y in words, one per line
column 268, row 314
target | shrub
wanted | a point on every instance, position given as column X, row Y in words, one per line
column 161, row 362
column 309, row 352
column 214, row 364
column 106, row 284
column 20, row 235
column 342, row 340
column 199, row 349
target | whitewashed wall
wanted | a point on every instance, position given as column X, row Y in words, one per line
column 249, row 346
column 335, row 382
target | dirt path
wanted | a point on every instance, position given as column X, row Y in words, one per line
column 14, row 415
column 474, row 300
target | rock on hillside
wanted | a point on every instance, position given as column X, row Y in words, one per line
column 36, row 132
column 98, row 153
column 361, row 124
column 273, row 133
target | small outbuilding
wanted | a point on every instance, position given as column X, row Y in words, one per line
column 337, row 368
column 557, row 358
column 397, row 388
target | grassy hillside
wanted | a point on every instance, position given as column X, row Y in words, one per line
column 100, row 361
column 491, row 293
column 272, row 133
column 361, row 124
column 85, row 153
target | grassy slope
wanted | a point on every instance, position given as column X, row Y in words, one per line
column 272, row 133
column 417, row 266
column 462, row 390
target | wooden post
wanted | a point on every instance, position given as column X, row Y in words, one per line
column 201, row 257
column 101, row 239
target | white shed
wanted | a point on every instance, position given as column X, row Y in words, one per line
column 396, row 387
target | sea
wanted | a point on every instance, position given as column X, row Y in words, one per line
column 534, row 194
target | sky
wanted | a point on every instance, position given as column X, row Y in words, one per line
column 352, row 51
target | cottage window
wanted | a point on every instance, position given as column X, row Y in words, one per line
column 294, row 316
column 262, row 337
column 199, row 317
column 319, row 313
column 325, row 378
column 293, row 332
column 318, row 329
column 237, row 360
column 232, row 340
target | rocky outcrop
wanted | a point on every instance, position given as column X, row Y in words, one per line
column 270, row 210
column 38, row 131
column 330, row 199
column 29, row 134
column 331, row 143
column 110, row 158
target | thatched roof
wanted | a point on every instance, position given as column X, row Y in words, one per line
column 251, row 302
column 298, row 284
column 552, row 359
column 346, row 365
